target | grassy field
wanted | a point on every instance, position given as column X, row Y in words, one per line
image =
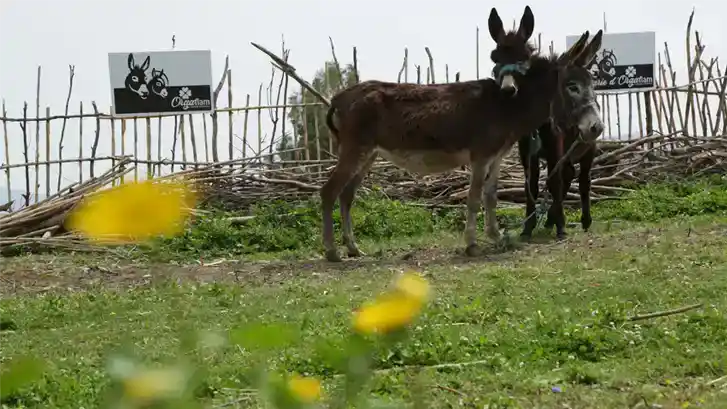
column 541, row 325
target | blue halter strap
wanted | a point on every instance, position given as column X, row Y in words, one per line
column 501, row 70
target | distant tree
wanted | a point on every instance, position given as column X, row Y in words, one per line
column 327, row 80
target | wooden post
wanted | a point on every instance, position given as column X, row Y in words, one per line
column 229, row 114
column 7, row 151
column 47, row 152
column 37, row 139
column 244, row 126
column 136, row 150
column 648, row 116
column 149, row 166
column 80, row 143
column 194, row 142
column 113, row 143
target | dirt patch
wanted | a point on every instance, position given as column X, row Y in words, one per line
column 40, row 274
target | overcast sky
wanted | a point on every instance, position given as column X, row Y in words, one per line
column 56, row 33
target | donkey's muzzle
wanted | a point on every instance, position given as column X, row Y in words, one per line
column 590, row 131
column 508, row 85
column 595, row 131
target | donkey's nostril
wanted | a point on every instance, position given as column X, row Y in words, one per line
column 596, row 129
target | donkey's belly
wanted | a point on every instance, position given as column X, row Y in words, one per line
column 426, row 162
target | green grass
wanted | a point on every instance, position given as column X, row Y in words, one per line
column 293, row 230
column 543, row 316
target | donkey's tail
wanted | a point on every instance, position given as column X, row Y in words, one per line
column 329, row 121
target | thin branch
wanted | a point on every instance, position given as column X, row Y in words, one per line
column 290, row 70
column 665, row 313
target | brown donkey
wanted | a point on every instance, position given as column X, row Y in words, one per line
column 435, row 128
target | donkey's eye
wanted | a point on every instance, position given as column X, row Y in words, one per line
column 135, row 78
column 573, row 88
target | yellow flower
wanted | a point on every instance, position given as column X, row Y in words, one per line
column 305, row 389
column 395, row 309
column 413, row 285
column 386, row 314
column 134, row 211
column 153, row 384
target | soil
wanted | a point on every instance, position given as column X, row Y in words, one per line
column 39, row 274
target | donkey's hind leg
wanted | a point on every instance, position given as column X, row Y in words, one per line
column 346, row 200
column 349, row 163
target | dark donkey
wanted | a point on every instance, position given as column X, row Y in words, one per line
column 579, row 123
column 435, row 128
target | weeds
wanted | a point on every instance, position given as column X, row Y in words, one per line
column 281, row 226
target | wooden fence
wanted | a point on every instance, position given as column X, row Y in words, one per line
column 159, row 145
column 255, row 132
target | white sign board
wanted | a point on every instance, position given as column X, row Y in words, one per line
column 161, row 82
column 626, row 61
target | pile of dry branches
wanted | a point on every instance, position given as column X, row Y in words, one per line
column 241, row 183
column 617, row 164
column 37, row 223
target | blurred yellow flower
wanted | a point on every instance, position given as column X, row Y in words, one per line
column 134, row 212
column 154, row 384
column 413, row 285
column 395, row 309
column 386, row 314
column 305, row 389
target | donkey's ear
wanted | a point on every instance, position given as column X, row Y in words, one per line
column 494, row 23
column 130, row 61
column 145, row 64
column 527, row 24
column 590, row 50
column 574, row 50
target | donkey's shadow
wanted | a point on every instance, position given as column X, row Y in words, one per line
column 506, row 248
column 420, row 257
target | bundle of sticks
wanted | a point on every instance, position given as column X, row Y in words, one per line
column 617, row 165
column 38, row 223
column 239, row 184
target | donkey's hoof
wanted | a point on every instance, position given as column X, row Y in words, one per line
column 355, row 252
column 561, row 236
column 332, row 256
column 473, row 250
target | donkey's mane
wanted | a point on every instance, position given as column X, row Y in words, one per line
column 542, row 62
column 543, row 59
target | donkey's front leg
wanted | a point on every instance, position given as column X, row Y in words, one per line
column 584, row 187
column 474, row 204
column 493, row 175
